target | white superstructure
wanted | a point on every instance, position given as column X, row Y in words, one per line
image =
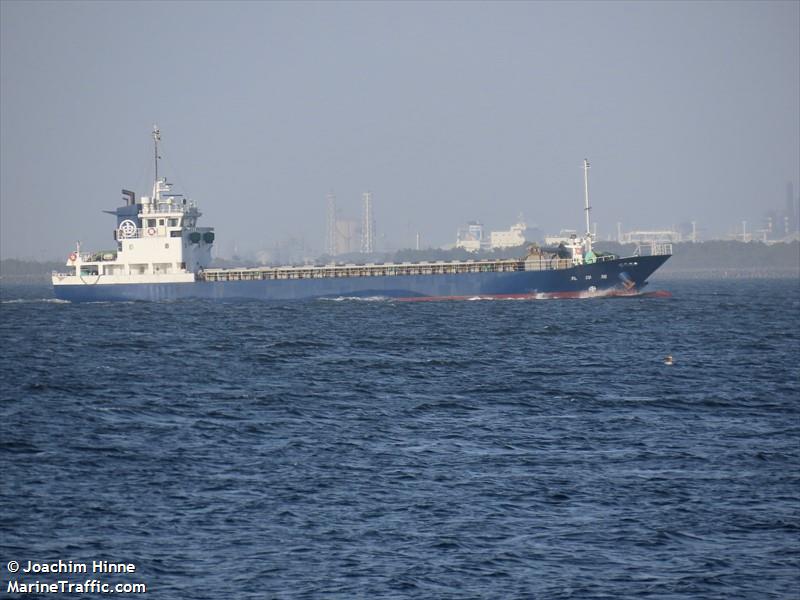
column 157, row 241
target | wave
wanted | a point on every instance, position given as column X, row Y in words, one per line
column 35, row 300
column 356, row 299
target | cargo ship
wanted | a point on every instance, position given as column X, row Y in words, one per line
column 161, row 253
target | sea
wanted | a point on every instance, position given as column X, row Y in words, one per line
column 349, row 449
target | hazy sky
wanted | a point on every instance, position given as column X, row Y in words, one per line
column 447, row 112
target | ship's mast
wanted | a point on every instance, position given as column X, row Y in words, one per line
column 587, row 208
column 156, row 139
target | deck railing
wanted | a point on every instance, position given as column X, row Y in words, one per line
column 384, row 270
column 653, row 249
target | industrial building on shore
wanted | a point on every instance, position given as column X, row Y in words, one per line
column 473, row 238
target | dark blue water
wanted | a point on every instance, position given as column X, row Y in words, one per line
column 356, row 449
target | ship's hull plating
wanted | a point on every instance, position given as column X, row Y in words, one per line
column 623, row 275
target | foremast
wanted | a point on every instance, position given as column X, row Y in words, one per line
column 587, row 208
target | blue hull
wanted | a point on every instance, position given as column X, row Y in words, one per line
column 625, row 274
